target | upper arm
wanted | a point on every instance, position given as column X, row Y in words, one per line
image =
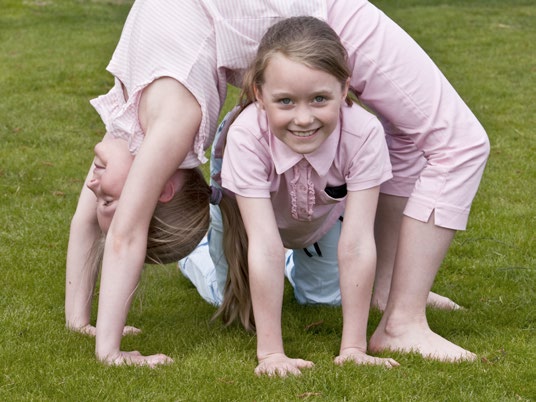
column 170, row 117
column 166, row 105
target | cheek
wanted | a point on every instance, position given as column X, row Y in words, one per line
column 278, row 118
column 119, row 176
column 331, row 116
column 112, row 184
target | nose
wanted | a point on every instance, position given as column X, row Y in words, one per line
column 303, row 116
column 97, row 146
column 93, row 185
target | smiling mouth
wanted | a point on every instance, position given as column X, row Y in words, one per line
column 304, row 134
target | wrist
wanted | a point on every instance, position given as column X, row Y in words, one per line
column 107, row 356
column 76, row 323
column 106, row 351
column 268, row 355
column 348, row 350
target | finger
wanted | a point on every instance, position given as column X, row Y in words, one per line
column 300, row 363
column 388, row 362
column 393, row 362
column 340, row 360
column 292, row 369
column 151, row 361
column 129, row 330
column 265, row 370
column 90, row 330
column 277, row 371
column 158, row 360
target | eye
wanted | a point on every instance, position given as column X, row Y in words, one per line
column 319, row 99
column 285, row 101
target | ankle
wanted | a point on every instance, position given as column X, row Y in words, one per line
column 397, row 324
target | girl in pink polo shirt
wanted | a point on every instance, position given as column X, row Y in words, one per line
column 171, row 68
column 298, row 157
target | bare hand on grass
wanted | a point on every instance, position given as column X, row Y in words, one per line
column 91, row 330
column 280, row 365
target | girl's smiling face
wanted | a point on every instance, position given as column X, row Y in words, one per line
column 302, row 104
column 111, row 166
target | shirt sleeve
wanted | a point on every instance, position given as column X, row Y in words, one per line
column 368, row 163
column 247, row 167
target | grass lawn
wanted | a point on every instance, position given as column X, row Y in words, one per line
column 53, row 55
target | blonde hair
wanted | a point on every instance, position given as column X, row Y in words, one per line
column 313, row 43
column 178, row 226
column 236, row 302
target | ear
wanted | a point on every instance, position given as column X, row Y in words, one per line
column 167, row 193
column 258, row 96
column 174, row 184
column 345, row 89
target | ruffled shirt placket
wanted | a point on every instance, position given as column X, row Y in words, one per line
column 302, row 191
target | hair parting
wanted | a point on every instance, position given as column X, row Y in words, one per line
column 305, row 40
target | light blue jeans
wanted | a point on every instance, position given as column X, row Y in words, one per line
column 314, row 276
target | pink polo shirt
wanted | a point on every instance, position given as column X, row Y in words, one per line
column 258, row 165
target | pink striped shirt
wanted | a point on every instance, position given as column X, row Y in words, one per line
column 438, row 148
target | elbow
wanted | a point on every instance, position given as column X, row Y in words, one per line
column 272, row 252
column 127, row 242
column 122, row 243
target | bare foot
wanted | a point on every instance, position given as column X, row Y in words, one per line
column 441, row 302
column 418, row 339
column 434, row 300
column 359, row 357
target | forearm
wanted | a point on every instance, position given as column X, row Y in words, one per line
column 80, row 275
column 267, row 284
column 121, row 270
column 356, row 270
